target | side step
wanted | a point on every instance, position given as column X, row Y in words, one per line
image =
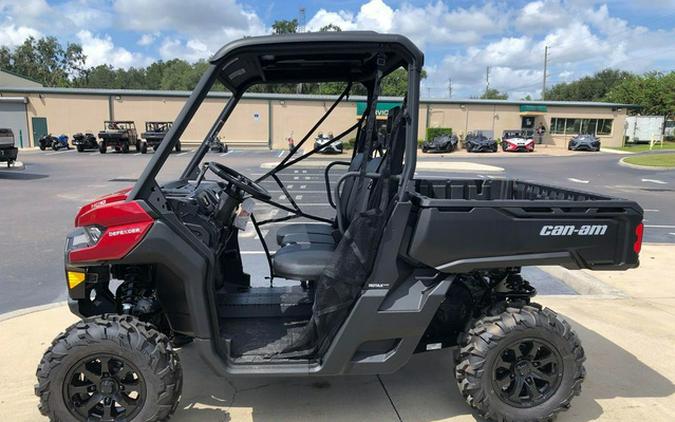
column 266, row 302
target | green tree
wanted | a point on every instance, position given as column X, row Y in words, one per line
column 588, row 88
column 285, row 26
column 45, row 60
column 494, row 94
column 330, row 27
column 654, row 92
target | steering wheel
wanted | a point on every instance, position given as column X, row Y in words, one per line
column 239, row 180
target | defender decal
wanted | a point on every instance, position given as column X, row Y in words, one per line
column 569, row 230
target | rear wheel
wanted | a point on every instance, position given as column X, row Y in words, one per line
column 102, row 147
column 523, row 364
column 109, row 368
column 80, row 148
column 138, row 146
column 55, row 146
column 125, row 148
column 144, row 148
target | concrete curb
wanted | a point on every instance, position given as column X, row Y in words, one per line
column 459, row 166
column 583, row 283
column 639, row 167
column 616, row 151
column 25, row 311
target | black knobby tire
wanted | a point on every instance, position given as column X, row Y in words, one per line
column 144, row 148
column 491, row 340
column 178, row 146
column 42, row 147
column 125, row 148
column 80, row 148
column 102, row 147
column 109, row 338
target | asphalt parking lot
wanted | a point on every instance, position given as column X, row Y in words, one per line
column 42, row 200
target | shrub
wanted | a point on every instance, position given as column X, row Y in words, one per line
column 433, row 132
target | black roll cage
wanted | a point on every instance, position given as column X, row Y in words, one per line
column 350, row 57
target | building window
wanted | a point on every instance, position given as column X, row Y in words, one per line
column 563, row 126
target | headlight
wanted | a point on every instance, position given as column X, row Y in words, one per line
column 94, row 233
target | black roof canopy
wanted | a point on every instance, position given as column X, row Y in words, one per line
column 312, row 57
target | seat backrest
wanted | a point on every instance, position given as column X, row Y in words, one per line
column 353, row 200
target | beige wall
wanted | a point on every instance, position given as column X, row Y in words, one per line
column 297, row 117
column 250, row 122
column 67, row 113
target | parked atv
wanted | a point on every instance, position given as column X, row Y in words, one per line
column 154, row 134
column 54, row 142
column 120, row 135
column 441, row 143
column 406, row 266
column 84, row 141
column 216, row 145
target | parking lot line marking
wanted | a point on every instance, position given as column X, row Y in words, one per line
column 672, row 234
column 304, row 191
column 648, row 210
column 182, row 154
column 659, row 226
column 252, row 252
column 572, row 179
column 298, row 197
column 281, row 154
column 301, row 186
column 659, row 182
column 228, row 152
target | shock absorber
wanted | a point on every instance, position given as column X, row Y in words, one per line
column 135, row 296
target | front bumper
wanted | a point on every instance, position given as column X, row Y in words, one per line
column 9, row 154
column 482, row 148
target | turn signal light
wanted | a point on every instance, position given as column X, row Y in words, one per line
column 75, row 278
column 639, row 230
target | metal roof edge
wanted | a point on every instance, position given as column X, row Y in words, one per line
column 295, row 97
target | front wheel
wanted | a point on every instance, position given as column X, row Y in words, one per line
column 102, row 147
column 144, row 148
column 55, row 146
column 523, row 364
column 80, row 148
column 178, row 146
column 112, row 368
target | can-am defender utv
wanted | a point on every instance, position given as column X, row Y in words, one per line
column 154, row 134
column 120, row 135
column 407, row 265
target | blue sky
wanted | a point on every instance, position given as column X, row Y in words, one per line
column 460, row 38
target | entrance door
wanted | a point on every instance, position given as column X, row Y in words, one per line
column 39, row 128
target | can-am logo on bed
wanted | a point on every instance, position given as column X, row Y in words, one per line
column 569, row 230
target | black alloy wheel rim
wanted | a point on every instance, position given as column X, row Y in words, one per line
column 105, row 388
column 527, row 372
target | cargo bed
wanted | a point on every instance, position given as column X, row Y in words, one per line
column 462, row 225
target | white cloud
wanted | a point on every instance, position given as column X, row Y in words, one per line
column 12, row 35
column 435, row 23
column 191, row 50
column 102, row 50
column 147, row 39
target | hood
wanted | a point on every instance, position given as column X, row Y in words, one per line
column 118, row 196
column 519, row 141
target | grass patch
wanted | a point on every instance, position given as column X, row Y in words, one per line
column 667, row 145
column 652, row 160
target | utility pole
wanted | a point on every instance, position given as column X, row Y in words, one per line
column 449, row 87
column 543, row 84
column 301, row 23
column 487, row 80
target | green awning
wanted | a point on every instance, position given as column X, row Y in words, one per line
column 382, row 109
column 531, row 107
